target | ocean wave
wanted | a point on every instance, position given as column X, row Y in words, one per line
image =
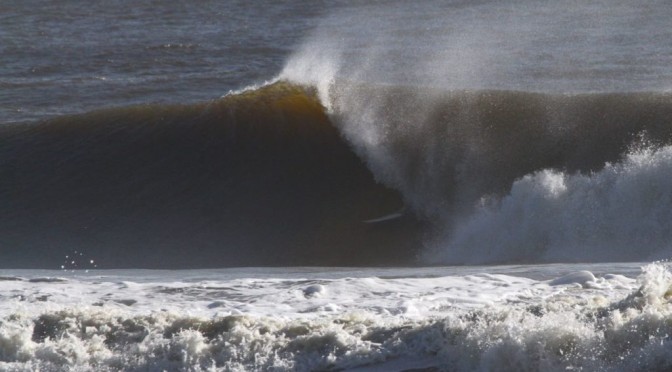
column 340, row 173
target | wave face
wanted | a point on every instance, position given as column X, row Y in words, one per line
column 269, row 176
column 255, row 178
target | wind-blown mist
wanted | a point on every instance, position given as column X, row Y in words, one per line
column 557, row 46
column 465, row 104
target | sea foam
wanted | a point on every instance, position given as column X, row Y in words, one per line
column 464, row 321
column 621, row 212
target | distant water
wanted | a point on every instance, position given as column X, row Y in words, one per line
column 66, row 57
column 279, row 185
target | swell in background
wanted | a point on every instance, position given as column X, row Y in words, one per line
column 66, row 57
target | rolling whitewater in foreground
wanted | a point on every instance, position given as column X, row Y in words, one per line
column 326, row 186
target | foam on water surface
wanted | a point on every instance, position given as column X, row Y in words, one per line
column 601, row 316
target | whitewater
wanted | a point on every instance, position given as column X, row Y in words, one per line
column 326, row 186
column 467, row 318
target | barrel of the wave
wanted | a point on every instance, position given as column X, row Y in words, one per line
column 260, row 177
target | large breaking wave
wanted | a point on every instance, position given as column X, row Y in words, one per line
column 397, row 134
column 514, row 138
column 270, row 176
column 509, row 176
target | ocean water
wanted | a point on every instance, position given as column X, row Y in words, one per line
column 346, row 185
